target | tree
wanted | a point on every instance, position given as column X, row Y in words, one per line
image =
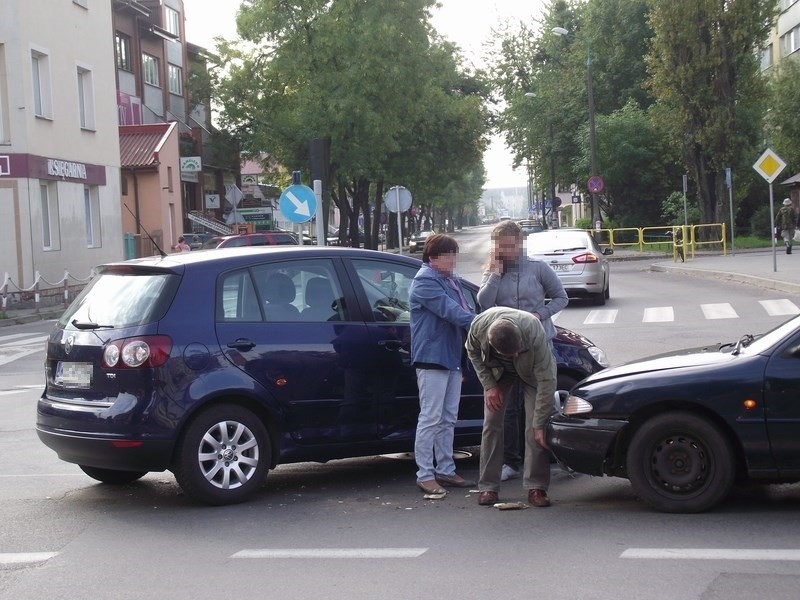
column 704, row 71
column 782, row 123
column 372, row 76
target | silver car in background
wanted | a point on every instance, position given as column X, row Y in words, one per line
column 576, row 258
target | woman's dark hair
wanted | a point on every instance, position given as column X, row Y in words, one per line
column 437, row 244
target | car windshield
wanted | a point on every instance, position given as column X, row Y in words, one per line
column 763, row 343
column 121, row 300
column 557, row 241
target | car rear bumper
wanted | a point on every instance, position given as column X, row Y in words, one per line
column 583, row 444
column 106, row 452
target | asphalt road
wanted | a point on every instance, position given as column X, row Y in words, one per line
column 359, row 528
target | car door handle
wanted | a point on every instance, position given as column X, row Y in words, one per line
column 391, row 344
column 242, row 344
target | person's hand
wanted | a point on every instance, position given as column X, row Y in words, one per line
column 495, row 262
column 493, row 399
column 539, row 438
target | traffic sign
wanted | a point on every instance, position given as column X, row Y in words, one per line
column 397, row 199
column 595, row 184
column 769, row 165
column 298, row 203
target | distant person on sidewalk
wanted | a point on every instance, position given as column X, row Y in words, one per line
column 513, row 279
column 182, row 246
column 508, row 346
column 786, row 221
column 440, row 319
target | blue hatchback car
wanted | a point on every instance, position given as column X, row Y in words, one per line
column 220, row 365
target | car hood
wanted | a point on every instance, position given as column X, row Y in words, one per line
column 697, row 357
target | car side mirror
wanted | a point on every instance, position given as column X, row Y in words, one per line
column 608, row 251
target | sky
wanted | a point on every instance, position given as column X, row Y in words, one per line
column 468, row 23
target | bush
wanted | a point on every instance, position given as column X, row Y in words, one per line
column 759, row 222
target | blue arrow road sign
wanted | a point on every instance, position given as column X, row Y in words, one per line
column 298, row 203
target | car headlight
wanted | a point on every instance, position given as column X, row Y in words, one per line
column 599, row 355
column 569, row 405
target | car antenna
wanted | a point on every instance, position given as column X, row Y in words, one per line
column 149, row 237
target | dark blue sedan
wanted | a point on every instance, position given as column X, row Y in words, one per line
column 684, row 427
column 219, row 365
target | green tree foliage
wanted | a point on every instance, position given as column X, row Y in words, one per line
column 373, row 77
column 704, row 71
column 783, row 119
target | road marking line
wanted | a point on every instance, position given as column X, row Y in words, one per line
column 601, row 317
column 776, row 308
column 719, row 311
column 14, row 476
column 26, row 342
column 20, row 354
column 712, row 554
column 658, row 314
column 16, row 558
column 331, row 553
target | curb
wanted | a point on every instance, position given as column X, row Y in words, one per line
column 762, row 282
column 22, row 319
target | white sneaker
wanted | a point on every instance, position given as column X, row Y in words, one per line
column 509, row 472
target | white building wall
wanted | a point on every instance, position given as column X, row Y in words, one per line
column 72, row 38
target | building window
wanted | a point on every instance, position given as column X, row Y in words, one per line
column 173, row 21
column 49, row 199
column 86, row 98
column 123, row 48
column 150, row 69
column 175, row 75
column 40, row 76
column 790, row 41
column 91, row 209
column 766, row 57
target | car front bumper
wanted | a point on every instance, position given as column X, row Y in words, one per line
column 583, row 444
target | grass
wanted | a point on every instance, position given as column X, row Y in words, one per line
column 751, row 241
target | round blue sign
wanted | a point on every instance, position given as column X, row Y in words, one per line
column 298, row 203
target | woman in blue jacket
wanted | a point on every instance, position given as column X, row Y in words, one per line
column 440, row 319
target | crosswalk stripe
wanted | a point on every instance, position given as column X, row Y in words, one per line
column 601, row 317
column 658, row 314
column 6, row 341
column 777, row 308
column 719, row 311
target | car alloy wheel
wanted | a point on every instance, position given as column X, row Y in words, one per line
column 223, row 455
column 680, row 462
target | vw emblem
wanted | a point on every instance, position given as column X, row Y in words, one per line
column 69, row 343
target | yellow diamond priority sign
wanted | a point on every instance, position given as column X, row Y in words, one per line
column 769, row 165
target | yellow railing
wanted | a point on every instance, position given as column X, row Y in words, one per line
column 678, row 239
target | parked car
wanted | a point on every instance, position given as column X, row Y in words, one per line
column 528, row 226
column 264, row 238
column 683, row 427
column 196, row 240
column 576, row 258
column 417, row 241
column 221, row 365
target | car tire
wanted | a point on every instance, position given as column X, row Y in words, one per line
column 608, row 290
column 112, row 476
column 679, row 462
column 223, row 455
column 599, row 299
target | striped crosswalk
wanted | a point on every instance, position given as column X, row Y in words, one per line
column 668, row 314
column 18, row 345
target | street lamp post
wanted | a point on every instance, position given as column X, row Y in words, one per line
column 592, row 140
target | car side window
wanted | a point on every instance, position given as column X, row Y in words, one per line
column 237, row 299
column 386, row 287
column 301, row 291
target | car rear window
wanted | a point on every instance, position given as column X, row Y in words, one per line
column 557, row 241
column 117, row 300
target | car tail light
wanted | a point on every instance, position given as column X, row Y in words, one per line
column 131, row 353
column 586, row 257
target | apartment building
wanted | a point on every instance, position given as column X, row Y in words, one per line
column 784, row 40
column 59, row 143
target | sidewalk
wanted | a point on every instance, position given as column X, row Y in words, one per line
column 754, row 267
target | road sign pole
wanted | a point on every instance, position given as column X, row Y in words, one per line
column 320, row 227
column 772, row 223
column 399, row 220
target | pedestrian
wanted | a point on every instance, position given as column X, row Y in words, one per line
column 440, row 318
column 513, row 279
column 786, row 221
column 182, row 246
column 507, row 345
column 677, row 240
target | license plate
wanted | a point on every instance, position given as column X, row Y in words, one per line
column 74, row 374
column 561, row 267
